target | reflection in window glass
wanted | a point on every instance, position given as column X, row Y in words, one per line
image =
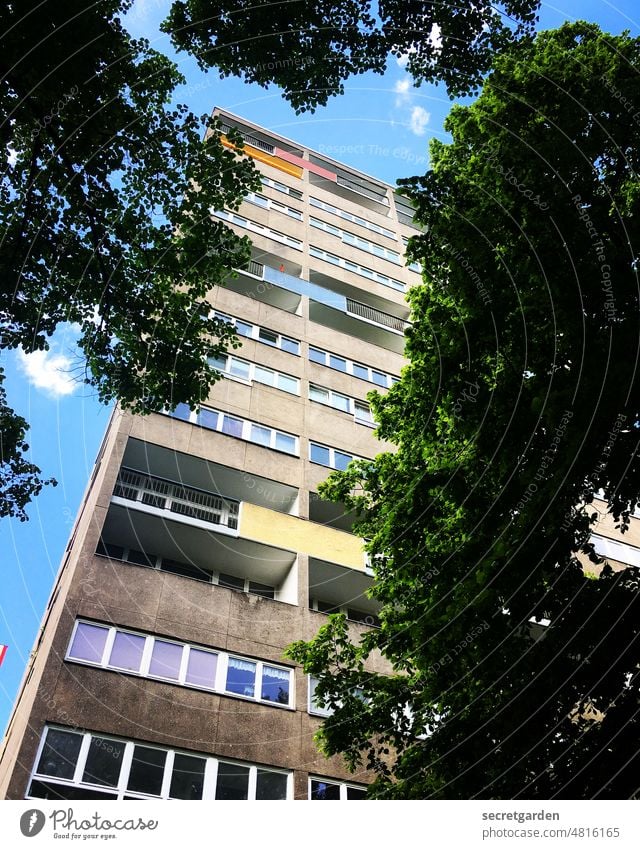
column 289, row 345
column 187, row 778
column 271, row 785
column 127, row 651
column 182, row 411
column 318, row 394
column 287, row 384
column 260, row 435
column 208, row 418
column 268, row 336
column 379, row 378
column 239, row 369
column 232, row 782
column 104, row 762
column 356, row 793
column 340, row 402
column 231, row 426
column 360, row 371
column 241, row 675
column 243, row 328
column 165, row 660
column 319, row 454
column 88, row 642
column 337, row 362
column 284, row 442
column 264, row 375
column 325, row 790
column 341, row 460
column 275, row 684
column 147, row 769
column 59, row 754
column 317, row 356
column 201, row 668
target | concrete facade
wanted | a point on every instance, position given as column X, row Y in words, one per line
column 332, row 288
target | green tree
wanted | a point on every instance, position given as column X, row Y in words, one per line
column 309, row 49
column 520, row 403
column 105, row 207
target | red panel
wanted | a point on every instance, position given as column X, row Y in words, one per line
column 304, row 163
column 3, row 651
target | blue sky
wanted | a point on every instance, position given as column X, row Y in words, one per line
column 382, row 126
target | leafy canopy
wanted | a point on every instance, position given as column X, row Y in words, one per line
column 105, row 205
column 519, row 405
column 309, row 49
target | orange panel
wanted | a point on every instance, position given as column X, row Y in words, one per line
column 261, row 156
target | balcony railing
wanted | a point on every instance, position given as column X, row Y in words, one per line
column 361, row 190
column 374, row 316
column 255, row 268
column 175, row 498
column 254, row 142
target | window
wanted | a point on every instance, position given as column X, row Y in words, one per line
column 362, row 270
column 74, row 764
column 249, row 431
column 331, row 457
column 268, row 203
column 325, row 358
column 357, row 219
column 280, row 187
column 321, row 789
column 254, row 227
column 184, row 664
column 261, row 334
column 90, row 639
column 352, row 613
column 244, row 370
column 357, row 241
column 358, row 409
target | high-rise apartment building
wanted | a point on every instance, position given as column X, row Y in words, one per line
column 201, row 549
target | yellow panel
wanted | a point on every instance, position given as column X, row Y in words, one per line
column 262, row 156
column 284, row 531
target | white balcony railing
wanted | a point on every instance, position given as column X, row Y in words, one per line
column 185, row 501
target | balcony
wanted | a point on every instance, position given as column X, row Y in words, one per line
column 157, row 495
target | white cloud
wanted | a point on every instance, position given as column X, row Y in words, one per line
column 419, row 120
column 12, row 156
column 403, row 59
column 435, row 37
column 401, row 88
column 48, row 371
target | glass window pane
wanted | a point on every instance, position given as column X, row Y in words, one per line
column 239, row 368
column 340, row 402
column 356, row 793
column 233, row 781
column 231, row 426
column 264, row 375
column 379, row 378
column 325, row 790
column 360, row 371
column 147, row 769
column 337, row 362
column 60, row 753
column 318, row 394
column 201, row 668
column 289, row 345
column 268, row 336
column 288, row 384
column 341, row 460
column 219, row 362
column 88, row 642
column 104, row 761
column 317, row 356
column 208, row 418
column 187, row 778
column 271, row 785
column 284, row 442
column 109, row 550
column 241, row 676
column 263, row 590
column 319, row 454
column 140, row 558
column 260, row 435
column 243, row 328
column 182, row 411
column 49, row 790
column 230, row 581
column 275, row 685
column 165, row 660
column 127, row 651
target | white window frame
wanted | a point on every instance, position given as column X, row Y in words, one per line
column 255, row 333
column 343, row 785
column 361, row 270
column 331, row 455
column 281, row 187
column 120, row 791
column 245, row 432
column 356, row 219
column 219, row 685
column 412, row 266
column 390, row 378
column 254, row 227
column 356, row 241
column 352, row 404
column 253, row 368
column 264, row 202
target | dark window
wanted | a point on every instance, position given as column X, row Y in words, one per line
column 356, row 793
column 109, row 550
column 147, row 769
column 47, row 790
column 187, row 570
column 60, row 753
column 187, row 778
column 325, row 790
column 271, row 785
column 104, row 762
column 363, row 618
column 140, row 558
column 231, row 582
column 233, row 781
column 267, row 336
column 275, row 685
column 327, row 607
column 241, row 675
column 262, row 589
